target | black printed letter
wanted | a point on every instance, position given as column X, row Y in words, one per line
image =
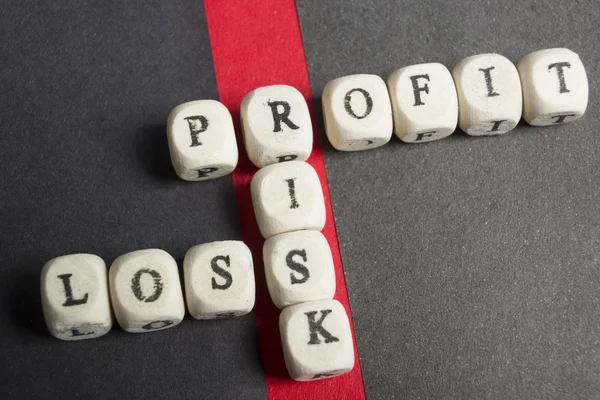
column 279, row 117
column 289, row 157
column 561, row 118
column 316, row 328
column 137, row 289
column 197, row 124
column 422, row 135
column 66, row 279
column 204, row 172
column 157, row 325
column 561, row 75
column 488, row 81
column 292, row 192
column 289, row 260
column 214, row 264
column 368, row 100
column 418, row 89
column 496, row 125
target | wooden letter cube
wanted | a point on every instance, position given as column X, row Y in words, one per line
column 75, row 297
column 317, row 341
column 424, row 102
column 287, row 197
column 202, row 140
column 276, row 125
column 357, row 112
column 555, row 87
column 219, row 280
column 489, row 94
column 146, row 291
column 298, row 268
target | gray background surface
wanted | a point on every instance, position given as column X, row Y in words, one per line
column 472, row 263
column 85, row 90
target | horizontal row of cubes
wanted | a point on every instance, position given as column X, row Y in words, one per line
column 484, row 94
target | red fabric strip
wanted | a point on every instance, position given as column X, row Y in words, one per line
column 258, row 43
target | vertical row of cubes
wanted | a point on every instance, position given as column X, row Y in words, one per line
column 144, row 290
column 290, row 211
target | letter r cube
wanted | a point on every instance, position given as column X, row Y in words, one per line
column 317, row 340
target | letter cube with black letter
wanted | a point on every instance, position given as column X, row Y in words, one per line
column 317, row 340
column 219, row 280
column 357, row 112
column 202, row 140
column 490, row 100
column 555, row 87
column 287, row 197
column 145, row 291
column 298, row 268
column 276, row 125
column 424, row 102
column 75, row 297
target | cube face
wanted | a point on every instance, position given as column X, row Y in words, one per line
column 75, row 297
column 276, row 125
column 298, row 268
column 219, row 280
column 489, row 94
column 145, row 291
column 424, row 102
column 317, row 340
column 202, row 140
column 287, row 197
column 357, row 112
column 555, row 87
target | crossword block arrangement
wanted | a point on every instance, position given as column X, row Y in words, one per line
column 484, row 94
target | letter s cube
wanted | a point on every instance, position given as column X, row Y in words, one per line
column 202, row 140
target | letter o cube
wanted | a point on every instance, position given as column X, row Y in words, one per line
column 202, row 140
column 276, row 125
column 490, row 100
column 219, row 280
column 287, row 197
column 317, row 340
column 357, row 112
column 146, row 291
column 75, row 297
column 298, row 268
column 424, row 102
column 555, row 87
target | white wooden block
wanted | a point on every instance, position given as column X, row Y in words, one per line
column 276, row 125
column 555, row 87
column 145, row 291
column 202, row 140
column 316, row 339
column 287, row 197
column 424, row 102
column 219, row 280
column 75, row 297
column 357, row 112
column 490, row 100
column 298, row 268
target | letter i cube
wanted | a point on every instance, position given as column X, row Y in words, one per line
column 75, row 297
column 202, row 140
